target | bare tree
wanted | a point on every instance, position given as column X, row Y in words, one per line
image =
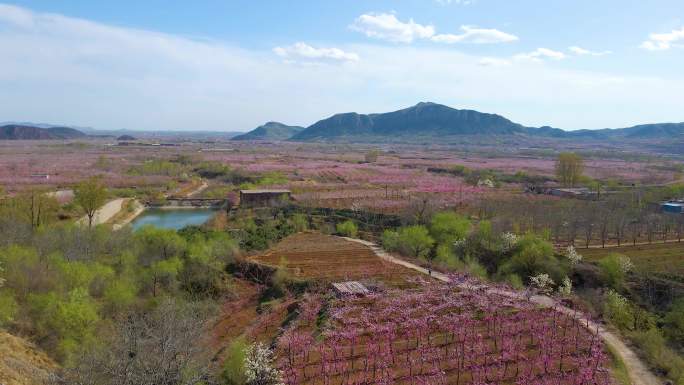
column 588, row 222
column 419, row 210
column 163, row 347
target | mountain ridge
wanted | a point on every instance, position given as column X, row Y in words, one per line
column 431, row 119
column 22, row 132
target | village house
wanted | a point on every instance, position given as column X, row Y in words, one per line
column 264, row 198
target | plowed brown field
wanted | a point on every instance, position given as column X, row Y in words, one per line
column 330, row 258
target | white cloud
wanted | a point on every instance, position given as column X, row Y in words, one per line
column 540, row 54
column 583, row 52
column 494, row 62
column 15, row 15
column 461, row 2
column 386, row 26
column 73, row 71
column 476, row 36
column 303, row 51
column 664, row 41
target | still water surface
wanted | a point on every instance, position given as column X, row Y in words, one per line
column 172, row 218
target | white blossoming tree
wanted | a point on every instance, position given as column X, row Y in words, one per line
column 508, row 241
column 565, row 288
column 259, row 368
column 573, row 256
column 543, row 283
column 626, row 264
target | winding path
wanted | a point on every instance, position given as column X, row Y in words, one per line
column 198, row 190
column 639, row 373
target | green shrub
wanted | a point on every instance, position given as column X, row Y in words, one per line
column 347, row 228
column 259, row 235
column 533, row 256
column 612, row 271
column 299, row 222
column 625, row 315
column 460, row 170
column 390, row 240
column 674, row 322
column 618, row 310
column 515, row 281
column 415, row 241
column 70, row 321
column 119, row 294
column 234, row 367
column 448, row 227
column 659, row 355
column 444, row 256
column 475, row 269
column 8, row 307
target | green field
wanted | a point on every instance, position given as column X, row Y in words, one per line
column 665, row 258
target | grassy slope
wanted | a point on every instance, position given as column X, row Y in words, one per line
column 658, row 257
column 21, row 363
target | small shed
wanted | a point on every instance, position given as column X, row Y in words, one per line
column 350, row 288
column 263, row 198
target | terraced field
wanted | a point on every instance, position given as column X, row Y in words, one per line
column 666, row 258
column 330, row 258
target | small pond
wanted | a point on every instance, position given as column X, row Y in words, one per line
column 173, row 218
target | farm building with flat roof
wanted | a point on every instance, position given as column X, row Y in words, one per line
column 263, row 198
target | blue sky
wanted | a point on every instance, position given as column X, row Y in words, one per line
column 232, row 65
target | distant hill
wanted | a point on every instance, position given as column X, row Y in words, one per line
column 422, row 120
column 272, row 131
column 431, row 121
column 21, row 132
column 659, row 130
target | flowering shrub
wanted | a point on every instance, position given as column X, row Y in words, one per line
column 573, row 256
column 508, row 241
column 625, row 264
column 543, row 283
column 259, row 368
column 565, row 288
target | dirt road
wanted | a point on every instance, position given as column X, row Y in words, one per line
column 104, row 213
column 138, row 208
column 638, row 371
column 198, row 190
